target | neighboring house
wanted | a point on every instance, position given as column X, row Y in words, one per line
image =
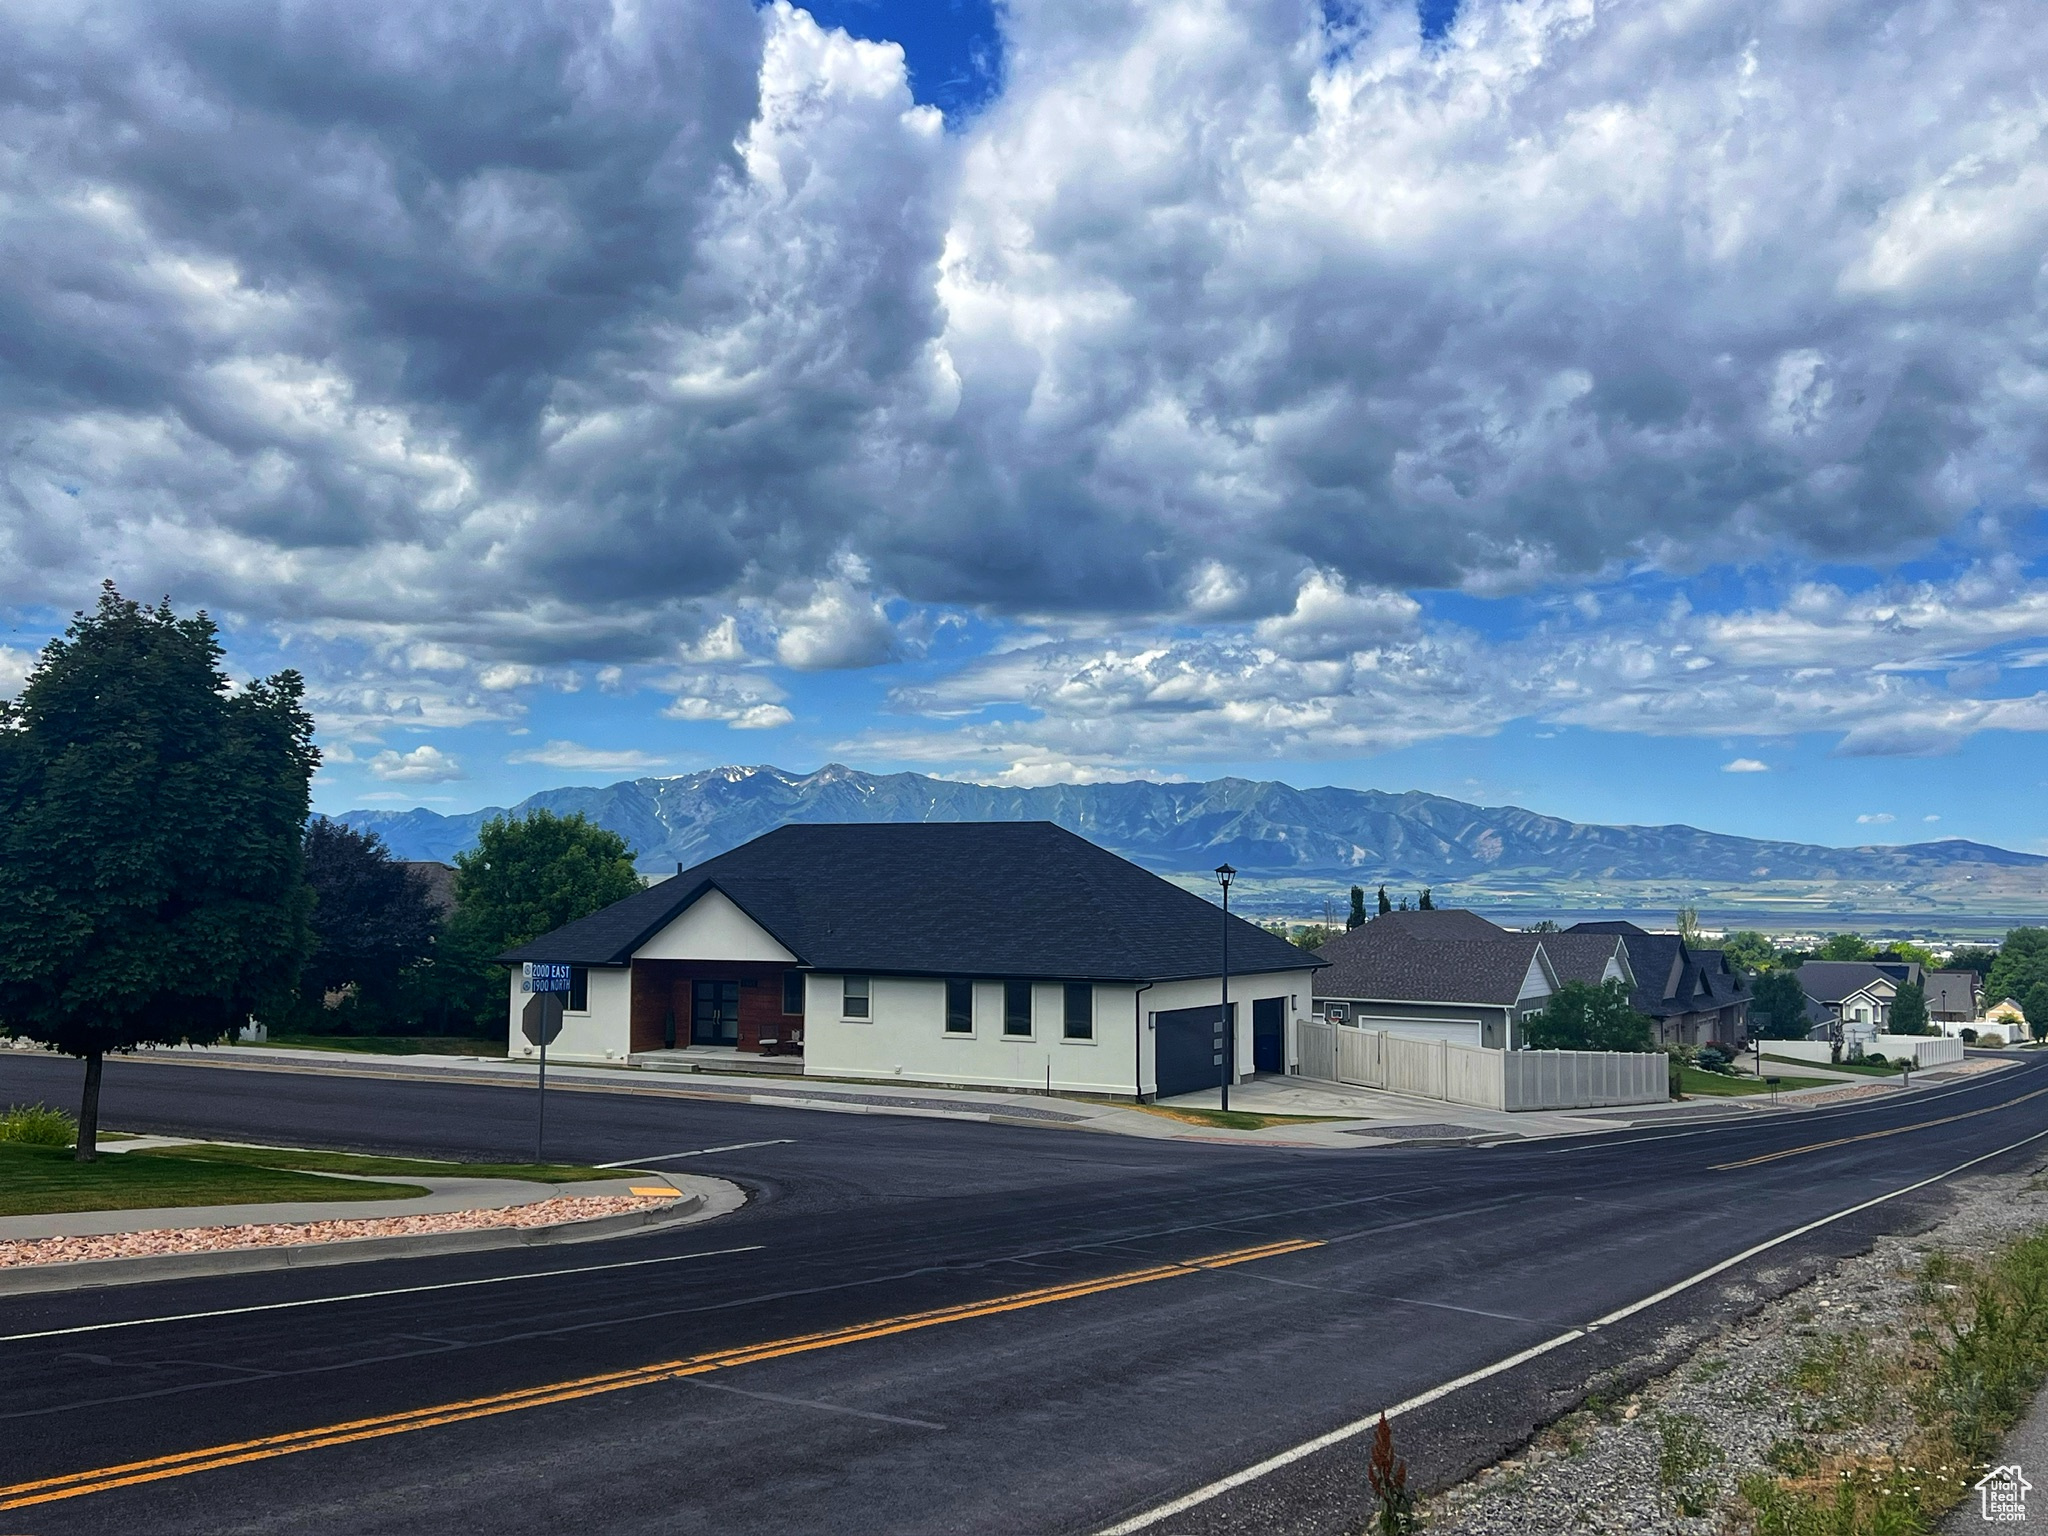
column 1452, row 975
column 1594, row 958
column 1953, row 998
column 1691, row 996
column 1855, row 995
column 439, row 880
column 1004, row 954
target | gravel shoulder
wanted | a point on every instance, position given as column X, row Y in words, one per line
column 1812, row 1386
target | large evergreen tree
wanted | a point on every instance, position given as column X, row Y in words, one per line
column 1777, row 1007
column 1357, row 917
column 151, row 817
column 1909, row 1011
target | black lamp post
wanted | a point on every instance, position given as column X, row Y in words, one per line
column 1224, row 875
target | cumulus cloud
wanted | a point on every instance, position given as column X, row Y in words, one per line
column 745, row 703
column 575, row 758
column 15, row 666
column 1745, row 765
column 422, row 765
column 506, row 343
column 840, row 626
column 1878, row 818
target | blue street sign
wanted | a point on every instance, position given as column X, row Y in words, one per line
column 543, row 978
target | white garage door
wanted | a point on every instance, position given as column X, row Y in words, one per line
column 1458, row 1032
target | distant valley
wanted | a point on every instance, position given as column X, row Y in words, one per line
column 1301, row 848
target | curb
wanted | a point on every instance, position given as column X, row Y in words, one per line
column 86, row 1274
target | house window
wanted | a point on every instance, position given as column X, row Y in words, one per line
column 579, row 989
column 1080, row 1019
column 959, row 1007
column 793, row 992
column 1016, row 1007
column 856, row 998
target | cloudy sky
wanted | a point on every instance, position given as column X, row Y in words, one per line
column 1635, row 409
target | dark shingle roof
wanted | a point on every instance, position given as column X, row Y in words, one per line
column 1016, row 899
column 1952, row 992
column 1672, row 979
column 1581, row 956
column 1453, row 957
column 1436, row 925
column 1830, row 981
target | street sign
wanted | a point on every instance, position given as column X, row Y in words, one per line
column 541, row 1020
column 540, row 977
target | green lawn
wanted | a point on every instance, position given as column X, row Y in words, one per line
column 1694, row 1083
column 37, row 1180
column 1891, row 1070
column 394, row 1045
column 382, row 1167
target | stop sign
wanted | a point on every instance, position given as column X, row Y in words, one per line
column 541, row 1020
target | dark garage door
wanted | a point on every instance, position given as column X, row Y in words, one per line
column 1190, row 1049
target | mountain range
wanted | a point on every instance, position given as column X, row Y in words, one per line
column 1294, row 846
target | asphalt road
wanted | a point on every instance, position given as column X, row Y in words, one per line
column 918, row 1325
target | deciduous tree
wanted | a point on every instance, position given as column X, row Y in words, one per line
column 151, row 864
column 373, row 921
column 1844, row 946
column 2021, row 965
column 1748, row 950
column 525, row 877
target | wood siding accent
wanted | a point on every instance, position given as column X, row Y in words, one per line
column 661, row 985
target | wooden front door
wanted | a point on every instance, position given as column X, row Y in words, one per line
column 715, row 1013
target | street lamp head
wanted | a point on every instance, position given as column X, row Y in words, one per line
column 1225, row 874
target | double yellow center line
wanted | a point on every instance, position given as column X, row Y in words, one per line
column 1897, row 1130
column 73, row 1485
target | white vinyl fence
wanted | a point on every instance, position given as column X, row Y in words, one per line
column 1470, row 1074
column 1925, row 1050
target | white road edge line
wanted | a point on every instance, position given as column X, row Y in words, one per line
column 404, row 1290
column 1367, row 1424
column 669, row 1157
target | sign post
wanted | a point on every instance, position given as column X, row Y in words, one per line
column 540, row 1021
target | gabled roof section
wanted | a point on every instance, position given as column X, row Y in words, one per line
column 1830, row 981
column 1456, row 957
column 1953, row 992
column 1021, row 899
column 1583, row 957
column 1671, row 978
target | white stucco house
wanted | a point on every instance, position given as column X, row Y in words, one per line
column 982, row 954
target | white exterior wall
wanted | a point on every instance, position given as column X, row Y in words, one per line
column 1206, row 992
column 904, row 1038
column 713, row 928
column 603, row 1033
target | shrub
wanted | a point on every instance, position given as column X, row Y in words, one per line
column 1967, row 1035
column 1875, row 1059
column 38, row 1125
column 1713, row 1058
column 1991, row 1040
